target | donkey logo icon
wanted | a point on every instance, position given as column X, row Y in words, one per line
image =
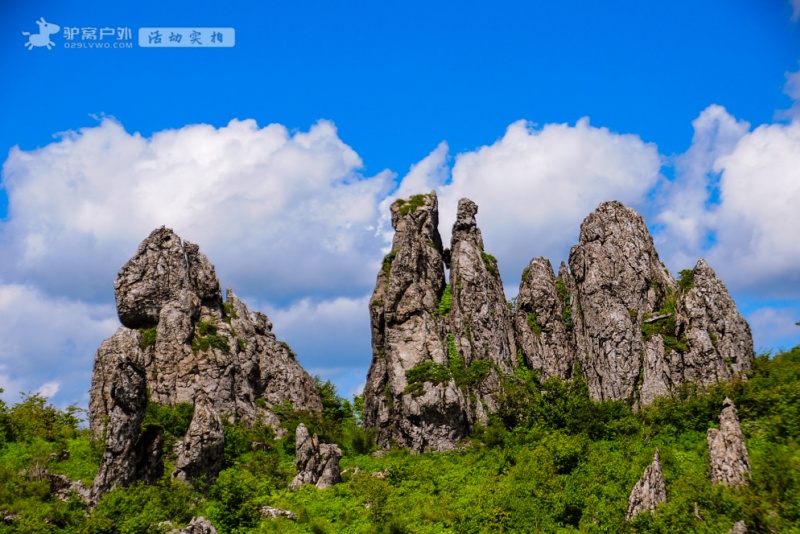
column 46, row 29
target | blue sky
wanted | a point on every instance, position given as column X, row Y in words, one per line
column 279, row 155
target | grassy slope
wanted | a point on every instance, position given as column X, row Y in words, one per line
column 561, row 464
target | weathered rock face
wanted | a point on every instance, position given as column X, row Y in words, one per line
column 201, row 452
column 727, row 452
column 407, row 332
column 438, row 350
column 479, row 322
column 615, row 314
column 649, row 492
column 635, row 332
column 543, row 321
column 738, row 528
column 317, row 463
column 181, row 343
column 128, row 455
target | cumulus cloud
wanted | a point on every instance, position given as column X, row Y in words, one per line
column 269, row 207
column 774, row 327
column 331, row 338
column 734, row 201
column 534, row 186
column 48, row 344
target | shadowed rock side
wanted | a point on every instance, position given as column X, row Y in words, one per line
column 617, row 312
column 407, row 333
column 649, row 492
column 727, row 452
column 178, row 340
column 201, row 452
column 479, row 320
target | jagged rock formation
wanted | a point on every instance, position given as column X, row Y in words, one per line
column 438, row 349
column 407, row 333
column 201, row 452
column 615, row 314
column 727, row 452
column 317, row 463
column 180, row 343
column 649, row 492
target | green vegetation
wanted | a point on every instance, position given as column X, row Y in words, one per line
column 550, row 460
column 205, row 337
column 686, row 279
column 565, row 297
column 533, row 324
column 410, row 206
column 286, row 346
column 387, row 263
column 525, row 272
column 148, row 337
column 425, row 372
column 665, row 325
column 446, row 302
column 490, row 262
column 230, row 313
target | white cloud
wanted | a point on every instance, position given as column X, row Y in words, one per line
column 48, row 389
column 748, row 232
column 48, row 344
column 758, row 244
column 535, row 186
column 792, row 88
column 331, row 338
column 775, row 327
column 795, row 10
column 267, row 206
column 686, row 211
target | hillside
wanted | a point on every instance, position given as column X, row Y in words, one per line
column 567, row 465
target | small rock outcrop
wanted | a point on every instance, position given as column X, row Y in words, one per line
column 181, row 343
column 199, row 525
column 727, row 453
column 317, row 463
column 738, row 528
column 649, row 492
column 274, row 513
column 201, row 452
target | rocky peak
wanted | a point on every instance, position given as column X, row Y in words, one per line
column 619, row 281
column 180, row 343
